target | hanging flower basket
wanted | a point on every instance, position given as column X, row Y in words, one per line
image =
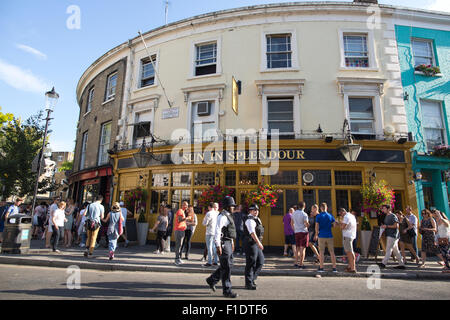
column 428, row 70
column 215, row 194
column 442, row 150
column 376, row 194
column 135, row 200
column 264, row 196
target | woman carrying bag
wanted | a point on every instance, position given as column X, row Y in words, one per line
column 428, row 229
column 443, row 235
column 407, row 235
column 114, row 231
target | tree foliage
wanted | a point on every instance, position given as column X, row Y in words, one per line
column 5, row 117
column 66, row 166
column 19, row 144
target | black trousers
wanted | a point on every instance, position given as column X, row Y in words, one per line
column 160, row 240
column 224, row 271
column 254, row 261
column 186, row 241
column 55, row 237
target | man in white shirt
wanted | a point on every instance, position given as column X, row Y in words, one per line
column 300, row 224
column 413, row 220
column 348, row 226
column 210, row 222
column 254, row 257
column 53, row 207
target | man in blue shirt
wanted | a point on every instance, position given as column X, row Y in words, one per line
column 94, row 212
column 324, row 223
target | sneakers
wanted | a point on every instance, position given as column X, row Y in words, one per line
column 178, row 262
column 207, row 265
column 126, row 243
column 400, row 267
column 250, row 287
column 215, row 264
column 157, row 252
column 357, row 257
column 335, row 270
column 382, row 265
column 56, row 251
column 320, row 270
column 111, row 255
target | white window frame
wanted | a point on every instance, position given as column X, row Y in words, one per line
column 84, row 142
column 373, row 63
column 141, row 71
column 291, row 98
column 109, row 97
column 444, row 129
column 141, row 56
column 431, row 42
column 90, row 99
column 376, row 105
column 194, row 45
column 213, row 117
column 373, row 112
column 103, row 146
column 294, row 49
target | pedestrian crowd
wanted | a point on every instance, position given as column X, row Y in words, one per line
column 232, row 230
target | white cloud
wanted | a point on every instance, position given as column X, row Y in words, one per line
column 31, row 50
column 439, row 5
column 22, row 79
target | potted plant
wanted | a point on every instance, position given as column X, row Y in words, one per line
column 142, row 227
column 215, row 194
column 428, row 70
column 366, row 234
column 442, row 150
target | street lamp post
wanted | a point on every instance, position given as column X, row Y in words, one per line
column 349, row 150
column 51, row 98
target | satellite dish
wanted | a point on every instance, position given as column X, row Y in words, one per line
column 308, row 177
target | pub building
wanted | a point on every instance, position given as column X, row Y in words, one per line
column 223, row 76
column 310, row 170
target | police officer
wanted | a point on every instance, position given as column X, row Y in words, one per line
column 224, row 242
column 254, row 257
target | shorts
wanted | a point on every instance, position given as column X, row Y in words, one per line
column 348, row 245
column 311, row 237
column 289, row 239
column 326, row 242
column 302, row 239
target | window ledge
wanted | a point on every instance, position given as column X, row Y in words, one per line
column 109, row 100
column 205, row 76
column 143, row 88
column 359, row 69
column 84, row 116
column 428, row 75
column 280, row 70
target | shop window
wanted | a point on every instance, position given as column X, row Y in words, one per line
column 325, row 196
column 285, row 178
column 181, row 179
column 356, row 200
column 398, row 205
column 160, row 180
column 248, row 177
column 278, row 210
column 179, row 196
column 348, row 178
column 428, row 197
column 204, row 178
column 342, row 199
column 198, row 209
column 309, row 197
column 230, row 178
column 159, row 198
column 316, row 177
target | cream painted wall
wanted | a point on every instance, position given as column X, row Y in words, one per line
column 319, row 58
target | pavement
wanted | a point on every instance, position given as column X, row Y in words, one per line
column 142, row 258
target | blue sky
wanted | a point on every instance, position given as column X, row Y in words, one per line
column 39, row 51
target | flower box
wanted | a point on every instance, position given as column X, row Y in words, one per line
column 427, row 70
column 442, row 150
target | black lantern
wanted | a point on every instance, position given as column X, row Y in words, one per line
column 349, row 150
column 142, row 157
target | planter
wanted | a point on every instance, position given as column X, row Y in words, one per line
column 142, row 233
column 365, row 242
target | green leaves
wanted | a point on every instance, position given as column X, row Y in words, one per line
column 20, row 142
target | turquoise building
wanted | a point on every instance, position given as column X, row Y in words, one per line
column 424, row 56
